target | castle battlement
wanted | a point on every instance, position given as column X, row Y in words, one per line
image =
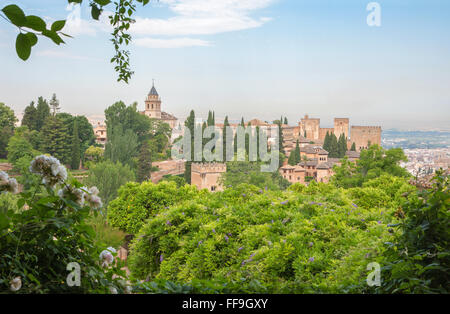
column 212, row 167
column 361, row 127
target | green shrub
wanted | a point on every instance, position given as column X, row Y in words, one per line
column 137, row 202
column 315, row 240
column 419, row 259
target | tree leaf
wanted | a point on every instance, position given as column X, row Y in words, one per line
column 35, row 22
column 95, row 12
column 58, row 25
column 15, row 14
column 53, row 36
column 23, row 46
column 67, row 35
column 32, row 38
column 103, row 2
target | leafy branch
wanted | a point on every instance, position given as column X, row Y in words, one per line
column 32, row 26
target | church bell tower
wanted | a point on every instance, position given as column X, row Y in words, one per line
column 153, row 104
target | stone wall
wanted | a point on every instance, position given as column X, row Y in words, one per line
column 207, row 175
column 341, row 126
column 362, row 135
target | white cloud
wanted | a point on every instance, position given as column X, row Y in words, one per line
column 170, row 43
column 76, row 25
column 198, row 17
column 191, row 17
column 203, row 17
column 53, row 53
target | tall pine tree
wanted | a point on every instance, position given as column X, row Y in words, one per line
column 29, row 118
column 42, row 112
column 53, row 137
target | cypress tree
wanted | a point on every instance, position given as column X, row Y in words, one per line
column 353, row 148
column 224, row 138
column 209, row 120
column 190, row 124
column 291, row 159
column 75, row 162
column 144, row 163
column 342, row 146
column 297, row 153
column 247, row 139
column 333, row 153
column 326, row 142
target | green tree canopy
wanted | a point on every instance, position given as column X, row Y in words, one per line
column 43, row 111
column 373, row 163
column 108, row 176
column 29, row 118
column 7, row 121
column 54, row 139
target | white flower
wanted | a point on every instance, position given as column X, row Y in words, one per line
column 68, row 191
column 16, row 284
column 128, row 289
column 4, row 178
column 50, row 169
column 111, row 249
column 8, row 184
column 106, row 257
column 92, row 198
column 113, row 290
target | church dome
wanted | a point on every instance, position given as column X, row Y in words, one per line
column 153, row 91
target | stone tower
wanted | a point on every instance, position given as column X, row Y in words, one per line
column 153, row 104
column 341, row 126
column 207, row 175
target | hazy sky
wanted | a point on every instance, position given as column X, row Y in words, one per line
column 251, row 58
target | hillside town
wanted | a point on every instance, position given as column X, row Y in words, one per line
column 314, row 164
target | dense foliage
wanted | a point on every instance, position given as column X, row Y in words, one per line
column 419, row 259
column 307, row 239
column 138, row 202
column 45, row 229
column 7, row 120
column 109, row 177
column 373, row 162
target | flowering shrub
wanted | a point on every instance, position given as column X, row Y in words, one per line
column 419, row 259
column 305, row 239
column 47, row 232
column 137, row 202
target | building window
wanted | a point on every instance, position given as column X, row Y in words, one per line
column 213, row 188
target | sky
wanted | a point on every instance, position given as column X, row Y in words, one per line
column 251, row 58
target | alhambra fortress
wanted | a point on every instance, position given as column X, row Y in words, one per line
column 315, row 163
